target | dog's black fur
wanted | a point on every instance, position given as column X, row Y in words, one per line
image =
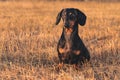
column 71, row 49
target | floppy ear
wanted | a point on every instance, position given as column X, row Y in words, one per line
column 58, row 18
column 81, row 17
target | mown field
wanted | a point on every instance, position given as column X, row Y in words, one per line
column 28, row 40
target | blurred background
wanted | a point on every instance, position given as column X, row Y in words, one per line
column 66, row 0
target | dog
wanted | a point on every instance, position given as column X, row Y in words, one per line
column 70, row 48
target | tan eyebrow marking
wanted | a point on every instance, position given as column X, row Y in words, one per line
column 70, row 13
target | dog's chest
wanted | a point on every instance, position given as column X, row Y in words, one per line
column 69, row 48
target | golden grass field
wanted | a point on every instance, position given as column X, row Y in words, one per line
column 28, row 41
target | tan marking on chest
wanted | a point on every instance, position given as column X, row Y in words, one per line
column 77, row 52
column 61, row 50
column 68, row 30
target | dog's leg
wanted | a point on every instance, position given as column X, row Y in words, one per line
column 75, row 66
column 60, row 65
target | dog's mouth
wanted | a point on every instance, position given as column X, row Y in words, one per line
column 68, row 26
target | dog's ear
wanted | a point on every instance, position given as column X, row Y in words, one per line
column 81, row 17
column 58, row 18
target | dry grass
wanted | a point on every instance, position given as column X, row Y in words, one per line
column 28, row 39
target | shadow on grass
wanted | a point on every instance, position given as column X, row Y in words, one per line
column 31, row 59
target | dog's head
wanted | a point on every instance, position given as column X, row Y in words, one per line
column 70, row 17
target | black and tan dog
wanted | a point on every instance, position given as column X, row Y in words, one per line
column 71, row 49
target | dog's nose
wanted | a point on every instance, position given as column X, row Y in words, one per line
column 66, row 25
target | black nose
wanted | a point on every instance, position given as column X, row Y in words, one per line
column 66, row 25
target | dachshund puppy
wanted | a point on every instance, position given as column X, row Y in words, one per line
column 71, row 49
